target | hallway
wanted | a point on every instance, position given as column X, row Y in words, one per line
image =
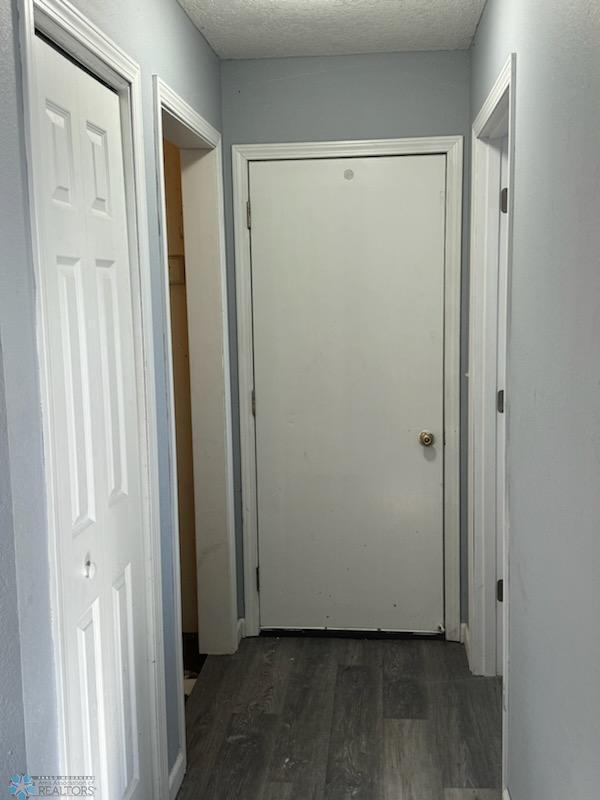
column 330, row 719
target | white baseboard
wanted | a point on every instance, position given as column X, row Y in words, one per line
column 241, row 629
column 176, row 775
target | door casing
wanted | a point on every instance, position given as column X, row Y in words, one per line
column 78, row 37
column 452, row 148
column 488, row 479
column 216, row 584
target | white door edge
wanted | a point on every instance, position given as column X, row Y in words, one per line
column 75, row 34
column 452, row 147
column 177, row 773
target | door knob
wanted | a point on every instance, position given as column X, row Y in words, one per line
column 426, row 438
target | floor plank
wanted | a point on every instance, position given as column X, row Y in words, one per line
column 269, row 667
column 410, row 771
column 301, row 749
column 467, row 731
column 241, row 768
column 278, row 791
column 354, row 767
column 405, row 698
column 210, row 706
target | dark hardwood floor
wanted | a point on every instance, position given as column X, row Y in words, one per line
column 343, row 719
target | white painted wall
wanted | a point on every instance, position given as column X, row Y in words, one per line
column 554, row 401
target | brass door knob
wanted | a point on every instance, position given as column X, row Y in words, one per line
column 426, row 438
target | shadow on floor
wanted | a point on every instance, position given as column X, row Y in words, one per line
column 193, row 662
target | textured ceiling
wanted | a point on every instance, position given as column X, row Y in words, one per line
column 271, row 28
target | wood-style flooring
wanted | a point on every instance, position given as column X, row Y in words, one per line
column 343, row 719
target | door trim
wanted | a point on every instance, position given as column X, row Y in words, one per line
column 77, row 36
column 202, row 135
column 452, row 148
column 483, row 347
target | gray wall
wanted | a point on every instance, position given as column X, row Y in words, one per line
column 23, row 519
column 342, row 97
column 553, row 390
column 160, row 37
column 12, row 729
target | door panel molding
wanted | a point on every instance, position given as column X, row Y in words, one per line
column 452, row 147
column 73, row 33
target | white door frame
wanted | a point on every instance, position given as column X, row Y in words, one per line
column 483, row 347
column 452, row 148
column 199, row 134
column 487, row 483
column 77, row 36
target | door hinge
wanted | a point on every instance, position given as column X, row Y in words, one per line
column 504, row 201
column 248, row 215
column 500, row 402
column 258, row 579
column 500, row 590
column 253, row 402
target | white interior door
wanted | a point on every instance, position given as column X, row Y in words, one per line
column 348, row 304
column 96, row 470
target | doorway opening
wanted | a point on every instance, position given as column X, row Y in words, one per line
column 180, row 359
column 201, row 613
